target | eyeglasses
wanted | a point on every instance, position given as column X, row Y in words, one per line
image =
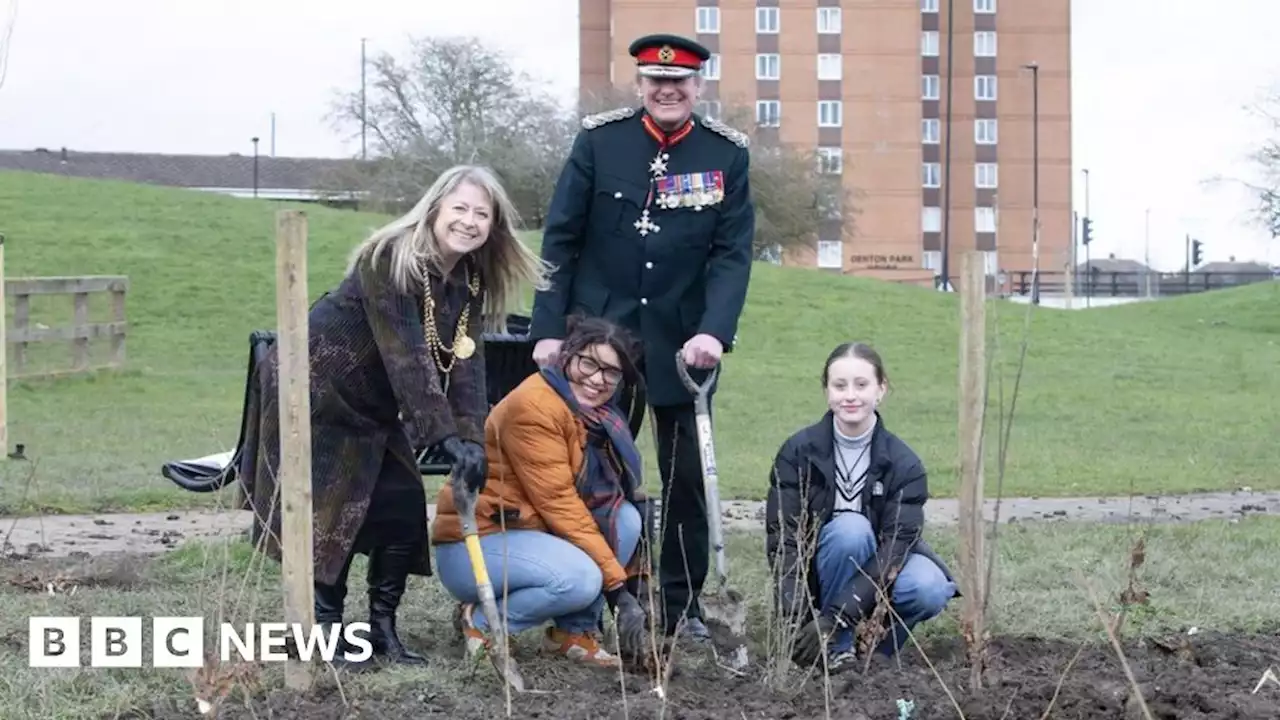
column 589, row 366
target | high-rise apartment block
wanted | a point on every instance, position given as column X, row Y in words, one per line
column 926, row 108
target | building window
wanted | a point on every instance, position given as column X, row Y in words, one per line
column 708, row 20
column 992, row 263
column 984, row 43
column 984, row 132
column 830, row 160
column 767, row 20
column 709, row 108
column 768, row 66
column 768, row 113
column 929, row 43
column 984, row 220
column 830, row 254
column 931, row 219
column 984, row 6
column 929, row 87
column 830, row 113
column 829, row 20
column 986, row 175
column 930, row 131
column 932, row 175
column 829, row 67
column 928, row 6
column 984, row 87
column 711, row 68
column 931, row 260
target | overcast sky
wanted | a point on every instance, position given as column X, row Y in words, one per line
column 1159, row 89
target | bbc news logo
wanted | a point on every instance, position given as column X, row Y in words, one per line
column 178, row 642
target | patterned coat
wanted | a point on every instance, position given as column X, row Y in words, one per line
column 370, row 367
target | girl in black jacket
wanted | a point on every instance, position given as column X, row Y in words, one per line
column 845, row 516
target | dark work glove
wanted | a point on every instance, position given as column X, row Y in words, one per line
column 812, row 640
column 630, row 618
column 468, row 459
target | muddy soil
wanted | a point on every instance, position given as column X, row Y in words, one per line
column 69, row 535
column 1204, row 676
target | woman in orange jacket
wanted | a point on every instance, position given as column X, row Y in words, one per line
column 558, row 518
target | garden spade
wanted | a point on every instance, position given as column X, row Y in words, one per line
column 725, row 607
column 498, row 651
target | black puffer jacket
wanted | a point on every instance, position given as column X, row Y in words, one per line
column 802, row 499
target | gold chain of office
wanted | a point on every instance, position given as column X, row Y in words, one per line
column 463, row 345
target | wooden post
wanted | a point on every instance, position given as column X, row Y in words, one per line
column 295, row 430
column 972, row 396
column 4, row 357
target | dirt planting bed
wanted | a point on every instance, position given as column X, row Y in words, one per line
column 1205, row 676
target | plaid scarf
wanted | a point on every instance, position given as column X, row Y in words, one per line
column 611, row 469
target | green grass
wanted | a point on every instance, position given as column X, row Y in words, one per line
column 1166, row 397
column 1036, row 594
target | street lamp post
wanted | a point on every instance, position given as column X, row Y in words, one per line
column 946, row 163
column 1035, row 181
column 255, row 166
column 364, row 105
column 1088, row 256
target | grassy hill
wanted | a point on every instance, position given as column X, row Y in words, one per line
column 1173, row 396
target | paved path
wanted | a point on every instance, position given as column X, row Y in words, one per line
column 63, row 535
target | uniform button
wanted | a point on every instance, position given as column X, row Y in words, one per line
column 644, row 301
column 617, row 194
column 649, row 265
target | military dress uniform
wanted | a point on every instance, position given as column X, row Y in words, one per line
column 652, row 229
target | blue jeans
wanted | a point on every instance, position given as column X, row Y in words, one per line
column 920, row 592
column 546, row 577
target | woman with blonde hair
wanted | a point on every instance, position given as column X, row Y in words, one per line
column 397, row 366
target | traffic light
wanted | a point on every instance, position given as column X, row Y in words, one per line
column 1197, row 252
column 1086, row 233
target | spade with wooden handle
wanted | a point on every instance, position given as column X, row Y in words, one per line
column 498, row 649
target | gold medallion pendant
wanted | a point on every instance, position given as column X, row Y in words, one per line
column 464, row 347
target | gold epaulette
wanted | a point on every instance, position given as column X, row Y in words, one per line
column 737, row 137
column 591, row 122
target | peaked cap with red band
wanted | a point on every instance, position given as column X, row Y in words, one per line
column 668, row 56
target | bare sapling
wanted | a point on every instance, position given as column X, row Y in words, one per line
column 781, row 633
column 872, row 630
column 657, row 660
column 1107, row 626
column 1134, row 593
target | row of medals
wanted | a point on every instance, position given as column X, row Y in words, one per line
column 697, row 199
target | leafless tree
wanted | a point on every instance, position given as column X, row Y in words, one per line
column 1266, row 161
column 1263, row 185
column 453, row 101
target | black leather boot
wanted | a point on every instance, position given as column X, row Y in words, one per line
column 330, row 602
column 331, row 599
column 388, row 572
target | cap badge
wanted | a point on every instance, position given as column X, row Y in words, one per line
column 666, row 54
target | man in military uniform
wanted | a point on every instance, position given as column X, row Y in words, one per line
column 651, row 226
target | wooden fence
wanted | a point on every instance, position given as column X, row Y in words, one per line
column 21, row 333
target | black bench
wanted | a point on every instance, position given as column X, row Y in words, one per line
column 508, row 361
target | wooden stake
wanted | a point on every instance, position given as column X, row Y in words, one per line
column 295, row 430
column 973, row 296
